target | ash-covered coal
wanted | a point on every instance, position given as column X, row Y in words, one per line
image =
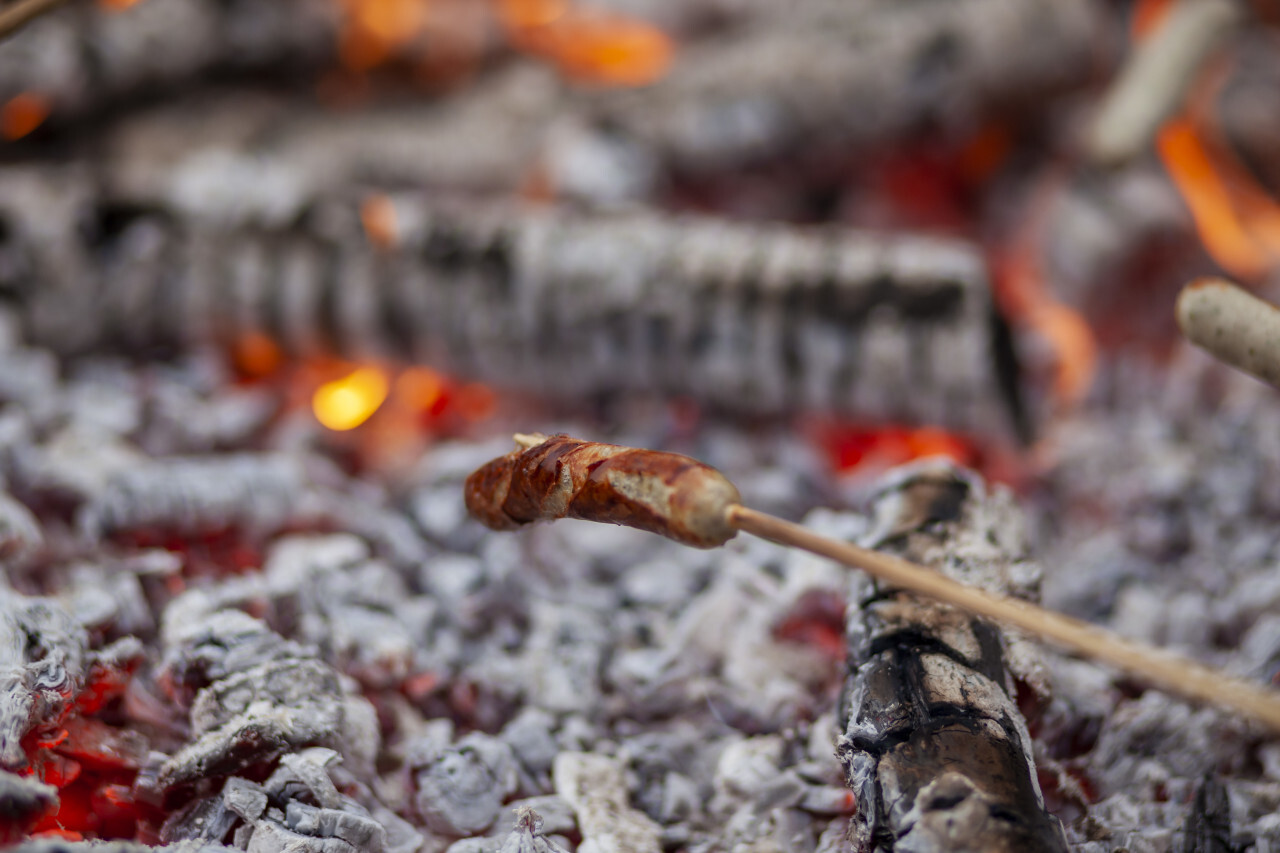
column 1159, row 520
column 381, row 673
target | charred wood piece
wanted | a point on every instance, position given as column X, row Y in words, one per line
column 44, row 658
column 199, row 495
column 1208, row 826
column 297, row 808
column 263, row 697
column 934, row 746
column 23, row 801
column 747, row 318
column 860, row 75
column 84, row 56
column 54, row 845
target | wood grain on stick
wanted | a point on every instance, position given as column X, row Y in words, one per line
column 1166, row 671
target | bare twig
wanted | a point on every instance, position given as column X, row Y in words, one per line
column 15, row 16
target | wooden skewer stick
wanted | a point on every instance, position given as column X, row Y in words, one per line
column 682, row 499
column 17, row 15
column 1161, row 669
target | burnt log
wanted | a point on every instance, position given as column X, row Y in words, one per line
column 791, row 81
column 83, row 57
column 934, row 746
column 756, row 319
column 860, row 74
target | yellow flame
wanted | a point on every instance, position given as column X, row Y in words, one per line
column 348, row 402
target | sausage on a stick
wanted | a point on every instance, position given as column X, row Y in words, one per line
column 684, row 500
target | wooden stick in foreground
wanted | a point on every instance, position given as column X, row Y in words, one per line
column 1161, row 669
column 15, row 16
column 682, row 499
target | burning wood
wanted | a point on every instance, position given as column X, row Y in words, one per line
column 760, row 319
column 858, row 74
column 81, row 57
column 935, row 747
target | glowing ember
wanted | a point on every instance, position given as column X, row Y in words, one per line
column 346, row 403
column 378, row 216
column 874, row 449
column 474, row 402
column 1238, row 224
column 117, row 5
column 22, row 114
column 525, row 14
column 599, row 48
column 1024, row 296
column 376, row 28
column 256, row 355
column 421, row 389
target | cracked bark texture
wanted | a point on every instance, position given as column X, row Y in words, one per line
column 934, row 745
column 755, row 319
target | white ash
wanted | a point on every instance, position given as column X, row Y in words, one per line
column 1162, row 527
column 491, row 663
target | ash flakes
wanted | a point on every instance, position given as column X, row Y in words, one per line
column 1162, row 527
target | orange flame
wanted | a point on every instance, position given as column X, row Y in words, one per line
column 345, row 403
column 872, row 449
column 1238, row 223
column 1023, row 294
column 375, row 29
column 22, row 114
column 117, row 5
column 590, row 46
column 378, row 216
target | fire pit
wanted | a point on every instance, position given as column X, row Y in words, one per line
column 276, row 278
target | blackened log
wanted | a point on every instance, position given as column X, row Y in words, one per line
column 861, row 74
column 762, row 319
column 934, row 746
column 83, row 56
column 1208, row 826
column 796, row 79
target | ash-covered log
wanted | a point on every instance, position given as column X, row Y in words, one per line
column 935, row 747
column 84, row 56
column 859, row 73
column 748, row 318
column 793, row 81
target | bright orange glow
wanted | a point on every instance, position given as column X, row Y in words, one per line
column 346, row 403
column 22, row 114
column 376, row 28
column 1146, row 16
column 525, row 14
column 602, row 49
column 872, row 449
column 256, row 355
column 378, row 216
column 117, row 5
column 419, row 388
column 1238, row 224
column 475, row 402
column 1022, row 291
